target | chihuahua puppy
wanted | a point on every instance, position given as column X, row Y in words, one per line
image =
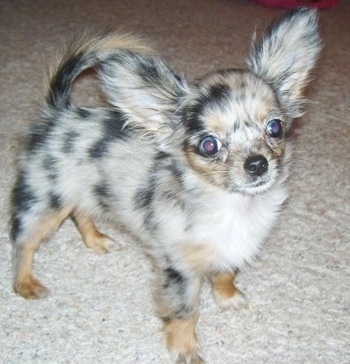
column 196, row 172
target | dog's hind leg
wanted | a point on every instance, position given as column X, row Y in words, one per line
column 92, row 238
column 27, row 233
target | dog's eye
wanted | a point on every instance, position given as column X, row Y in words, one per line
column 274, row 128
column 209, row 146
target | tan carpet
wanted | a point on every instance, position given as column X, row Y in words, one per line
column 100, row 308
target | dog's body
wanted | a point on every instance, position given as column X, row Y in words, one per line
column 196, row 172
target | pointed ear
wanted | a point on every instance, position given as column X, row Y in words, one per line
column 286, row 54
column 144, row 88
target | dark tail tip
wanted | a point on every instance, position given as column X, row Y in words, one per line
column 60, row 82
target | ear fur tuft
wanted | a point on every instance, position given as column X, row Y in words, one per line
column 286, row 54
column 144, row 88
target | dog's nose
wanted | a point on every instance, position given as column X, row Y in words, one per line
column 256, row 165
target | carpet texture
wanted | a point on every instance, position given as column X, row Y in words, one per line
column 100, row 309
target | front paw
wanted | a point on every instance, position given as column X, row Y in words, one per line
column 188, row 358
column 225, row 292
column 181, row 341
column 236, row 301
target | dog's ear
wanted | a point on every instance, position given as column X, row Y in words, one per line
column 286, row 54
column 144, row 88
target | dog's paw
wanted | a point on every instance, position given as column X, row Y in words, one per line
column 189, row 358
column 30, row 288
column 226, row 293
column 181, row 341
column 102, row 244
column 235, row 302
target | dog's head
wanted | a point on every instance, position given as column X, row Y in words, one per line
column 236, row 132
column 232, row 127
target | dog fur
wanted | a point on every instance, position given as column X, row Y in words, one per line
column 197, row 172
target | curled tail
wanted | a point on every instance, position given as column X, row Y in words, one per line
column 83, row 53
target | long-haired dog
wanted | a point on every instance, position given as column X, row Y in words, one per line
column 196, row 172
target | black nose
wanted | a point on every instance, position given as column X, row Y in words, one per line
column 256, row 165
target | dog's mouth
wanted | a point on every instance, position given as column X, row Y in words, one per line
column 258, row 186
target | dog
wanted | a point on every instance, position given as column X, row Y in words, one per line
column 197, row 172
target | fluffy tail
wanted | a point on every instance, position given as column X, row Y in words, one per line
column 83, row 53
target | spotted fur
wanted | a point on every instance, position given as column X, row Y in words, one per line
column 196, row 172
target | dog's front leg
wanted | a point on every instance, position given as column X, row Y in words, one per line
column 177, row 299
column 225, row 292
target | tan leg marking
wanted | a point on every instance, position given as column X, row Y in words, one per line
column 198, row 257
column 23, row 255
column 225, row 292
column 181, row 340
column 92, row 238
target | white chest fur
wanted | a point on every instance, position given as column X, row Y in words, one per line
column 235, row 225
